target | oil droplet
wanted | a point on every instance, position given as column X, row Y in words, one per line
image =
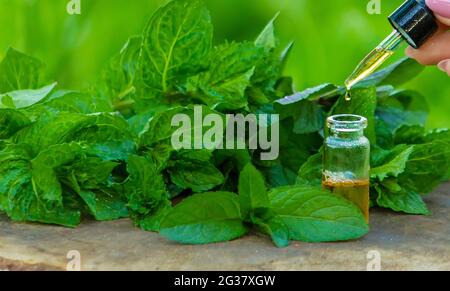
column 348, row 97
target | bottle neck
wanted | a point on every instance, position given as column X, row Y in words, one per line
column 345, row 134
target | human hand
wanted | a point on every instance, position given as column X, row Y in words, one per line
column 436, row 51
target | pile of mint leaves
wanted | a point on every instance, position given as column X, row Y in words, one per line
column 105, row 152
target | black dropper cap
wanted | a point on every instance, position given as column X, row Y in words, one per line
column 415, row 22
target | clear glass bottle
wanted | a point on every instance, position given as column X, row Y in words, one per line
column 346, row 169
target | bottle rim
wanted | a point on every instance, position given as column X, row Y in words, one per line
column 347, row 122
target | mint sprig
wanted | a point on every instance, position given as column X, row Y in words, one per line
column 105, row 152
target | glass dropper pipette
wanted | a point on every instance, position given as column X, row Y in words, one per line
column 413, row 22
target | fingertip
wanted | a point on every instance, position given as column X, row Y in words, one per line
column 445, row 22
column 410, row 52
column 440, row 7
column 444, row 66
column 415, row 54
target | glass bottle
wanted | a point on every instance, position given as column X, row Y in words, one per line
column 346, row 169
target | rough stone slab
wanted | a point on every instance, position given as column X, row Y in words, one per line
column 404, row 242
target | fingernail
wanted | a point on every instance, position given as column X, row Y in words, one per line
column 441, row 7
column 444, row 66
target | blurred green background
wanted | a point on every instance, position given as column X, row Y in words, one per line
column 330, row 37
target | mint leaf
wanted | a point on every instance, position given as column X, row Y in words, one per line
column 91, row 179
column 363, row 103
column 267, row 38
column 11, row 121
column 295, row 150
column 74, row 102
column 205, row 218
column 19, row 71
column 145, row 187
column 90, row 173
column 121, row 75
column 26, row 98
column 426, row 167
column 308, row 117
column 152, row 222
column 222, row 87
column 314, row 215
column 409, row 134
column 310, row 94
column 107, row 134
column 276, row 229
column 268, row 67
column 394, row 164
column 18, row 198
column 159, row 129
column 176, row 42
column 195, row 171
column 403, row 108
column 396, row 74
column 104, row 206
column 310, row 172
column 44, row 178
column 252, row 191
column 404, row 201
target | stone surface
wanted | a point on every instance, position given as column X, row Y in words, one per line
column 404, row 243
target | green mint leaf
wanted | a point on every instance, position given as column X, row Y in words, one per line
column 25, row 98
column 11, row 121
column 443, row 136
column 310, row 172
column 394, row 164
column 427, row 166
column 103, row 205
column 160, row 155
column 121, row 75
column 307, row 116
column 402, row 108
column 152, row 222
column 44, row 178
column 252, row 191
column 363, row 103
column 107, row 135
column 176, row 42
column 7, row 102
column 409, row 134
column 18, row 72
column 91, row 173
column 314, row 215
column 285, row 55
column 18, row 197
column 396, row 74
column 276, row 229
column 205, row 218
column 139, row 121
column 160, row 130
column 411, row 107
column 145, row 186
column 295, row 150
column 195, row 174
column 75, row 102
column 404, row 201
column 311, row 94
column 222, row 87
column 267, row 38
column 277, row 175
column 284, row 87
